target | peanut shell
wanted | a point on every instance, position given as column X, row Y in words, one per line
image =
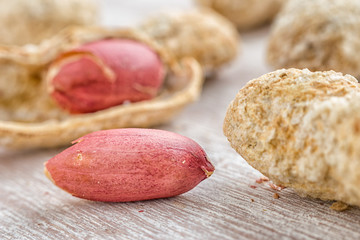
column 301, row 129
column 23, row 22
column 245, row 14
column 192, row 34
column 320, row 35
column 29, row 118
column 122, row 165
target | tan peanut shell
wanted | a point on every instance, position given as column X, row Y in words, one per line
column 30, row 118
column 203, row 34
column 245, row 14
column 23, row 21
column 320, row 35
column 302, row 130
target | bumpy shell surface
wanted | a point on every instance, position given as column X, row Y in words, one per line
column 301, row 129
column 23, row 21
column 245, row 14
column 320, row 35
column 202, row 34
column 30, row 118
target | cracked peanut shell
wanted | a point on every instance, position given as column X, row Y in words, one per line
column 302, row 130
column 31, row 119
column 203, row 34
column 320, row 35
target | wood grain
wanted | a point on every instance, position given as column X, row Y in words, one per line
column 224, row 206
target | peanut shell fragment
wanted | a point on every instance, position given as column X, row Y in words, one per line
column 122, row 165
column 301, row 129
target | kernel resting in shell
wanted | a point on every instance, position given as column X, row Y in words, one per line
column 117, row 71
column 29, row 118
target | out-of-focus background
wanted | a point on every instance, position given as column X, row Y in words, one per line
column 228, row 205
column 115, row 13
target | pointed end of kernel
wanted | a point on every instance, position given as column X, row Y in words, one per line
column 77, row 140
column 47, row 174
column 207, row 173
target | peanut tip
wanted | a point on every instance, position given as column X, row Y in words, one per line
column 47, row 173
column 77, row 140
column 207, row 173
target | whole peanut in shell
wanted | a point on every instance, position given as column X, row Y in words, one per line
column 326, row 42
column 105, row 73
column 132, row 164
column 302, row 130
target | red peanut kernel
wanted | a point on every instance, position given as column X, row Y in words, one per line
column 105, row 73
column 123, row 165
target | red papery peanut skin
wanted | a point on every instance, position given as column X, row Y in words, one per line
column 105, row 73
column 122, row 165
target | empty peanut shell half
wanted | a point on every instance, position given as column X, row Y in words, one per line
column 320, row 35
column 30, row 118
column 302, row 130
column 245, row 14
column 23, row 21
column 202, row 34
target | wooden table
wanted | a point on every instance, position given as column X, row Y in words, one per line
column 229, row 205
